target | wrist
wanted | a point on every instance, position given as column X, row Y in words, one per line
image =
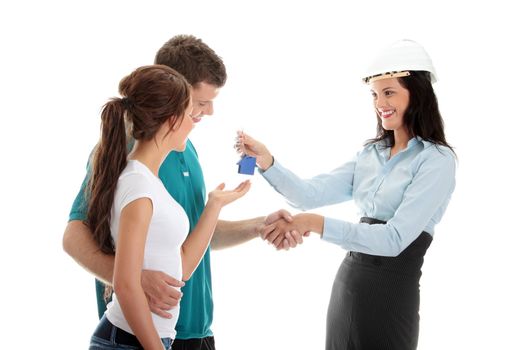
column 310, row 222
column 266, row 162
column 214, row 204
column 257, row 226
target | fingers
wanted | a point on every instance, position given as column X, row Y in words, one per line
column 273, row 237
column 161, row 308
column 240, row 141
column 278, row 240
column 240, row 191
column 245, row 144
column 267, row 230
column 285, row 215
column 167, row 297
column 239, row 147
column 244, row 186
column 288, row 238
column 162, row 291
column 160, row 312
column 285, row 245
column 173, row 281
column 295, row 238
column 242, row 137
column 280, row 214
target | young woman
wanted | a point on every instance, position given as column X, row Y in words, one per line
column 401, row 181
column 131, row 212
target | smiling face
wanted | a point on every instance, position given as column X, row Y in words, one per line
column 391, row 101
column 203, row 95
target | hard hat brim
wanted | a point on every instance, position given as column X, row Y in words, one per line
column 386, row 75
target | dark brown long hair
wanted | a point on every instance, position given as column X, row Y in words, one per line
column 152, row 95
column 422, row 117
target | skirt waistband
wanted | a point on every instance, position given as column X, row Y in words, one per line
column 410, row 260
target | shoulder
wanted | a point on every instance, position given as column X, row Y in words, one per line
column 134, row 182
column 373, row 147
column 437, row 156
column 190, row 147
column 435, row 151
column 135, row 171
column 135, row 178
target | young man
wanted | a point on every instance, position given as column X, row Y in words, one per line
column 182, row 175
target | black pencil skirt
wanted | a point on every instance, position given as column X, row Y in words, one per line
column 375, row 300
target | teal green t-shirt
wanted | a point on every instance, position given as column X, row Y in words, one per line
column 182, row 176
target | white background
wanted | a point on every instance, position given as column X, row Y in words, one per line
column 293, row 81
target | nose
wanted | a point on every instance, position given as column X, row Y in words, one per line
column 380, row 102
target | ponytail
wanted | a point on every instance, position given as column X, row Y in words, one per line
column 109, row 160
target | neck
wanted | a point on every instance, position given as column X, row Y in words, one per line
column 401, row 138
column 150, row 154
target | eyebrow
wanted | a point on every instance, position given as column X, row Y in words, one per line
column 383, row 89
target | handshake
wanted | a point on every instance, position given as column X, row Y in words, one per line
column 283, row 230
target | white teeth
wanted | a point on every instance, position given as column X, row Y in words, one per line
column 387, row 113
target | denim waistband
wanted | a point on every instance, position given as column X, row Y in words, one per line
column 107, row 331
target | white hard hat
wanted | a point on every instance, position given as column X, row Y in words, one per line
column 398, row 59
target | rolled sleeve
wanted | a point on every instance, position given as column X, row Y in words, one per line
column 333, row 231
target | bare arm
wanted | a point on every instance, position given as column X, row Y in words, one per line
column 78, row 242
column 232, row 233
column 197, row 242
column 129, row 258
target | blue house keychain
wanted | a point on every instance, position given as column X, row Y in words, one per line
column 246, row 165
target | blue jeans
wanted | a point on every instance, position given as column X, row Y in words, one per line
column 109, row 337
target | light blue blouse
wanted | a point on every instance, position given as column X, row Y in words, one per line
column 409, row 191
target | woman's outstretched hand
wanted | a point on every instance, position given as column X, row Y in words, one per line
column 221, row 197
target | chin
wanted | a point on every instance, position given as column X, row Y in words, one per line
column 389, row 126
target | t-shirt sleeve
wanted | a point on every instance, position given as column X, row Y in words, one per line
column 80, row 205
column 132, row 187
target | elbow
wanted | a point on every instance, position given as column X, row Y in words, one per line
column 119, row 288
column 396, row 244
column 215, row 243
column 73, row 237
column 67, row 241
column 186, row 271
column 124, row 288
